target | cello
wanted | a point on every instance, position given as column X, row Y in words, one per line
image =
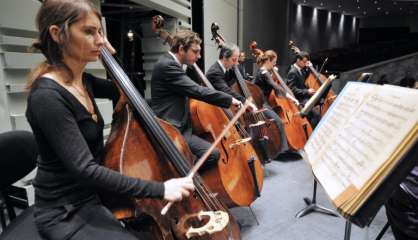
column 297, row 128
column 238, row 176
column 142, row 146
column 314, row 80
column 267, row 138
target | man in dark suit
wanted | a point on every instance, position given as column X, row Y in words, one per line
column 221, row 72
column 296, row 78
column 296, row 82
column 402, row 208
column 241, row 66
column 171, row 88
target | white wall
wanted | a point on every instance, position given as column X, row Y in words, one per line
column 225, row 13
column 17, row 33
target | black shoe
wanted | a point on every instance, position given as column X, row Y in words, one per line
column 288, row 156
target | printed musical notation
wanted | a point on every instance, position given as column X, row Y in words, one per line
column 359, row 133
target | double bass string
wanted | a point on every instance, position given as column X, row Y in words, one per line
column 155, row 129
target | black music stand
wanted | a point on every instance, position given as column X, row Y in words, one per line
column 312, row 206
column 365, row 215
column 347, row 231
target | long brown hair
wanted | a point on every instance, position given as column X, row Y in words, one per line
column 267, row 55
column 62, row 13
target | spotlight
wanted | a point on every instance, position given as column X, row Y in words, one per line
column 130, row 35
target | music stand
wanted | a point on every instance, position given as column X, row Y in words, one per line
column 312, row 205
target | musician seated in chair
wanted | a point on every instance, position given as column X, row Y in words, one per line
column 402, row 208
column 68, row 127
column 171, row 89
column 218, row 75
column 241, row 66
column 296, row 77
column 264, row 79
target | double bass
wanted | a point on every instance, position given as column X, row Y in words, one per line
column 265, row 132
column 142, row 146
column 315, row 80
column 238, row 176
column 297, row 128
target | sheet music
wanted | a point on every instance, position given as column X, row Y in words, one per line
column 341, row 110
column 363, row 135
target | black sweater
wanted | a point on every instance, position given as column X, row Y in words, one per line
column 265, row 81
column 71, row 146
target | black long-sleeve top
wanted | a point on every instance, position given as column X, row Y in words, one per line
column 265, row 81
column 71, row 147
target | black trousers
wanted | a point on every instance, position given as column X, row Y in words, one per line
column 314, row 117
column 90, row 221
column 402, row 213
column 270, row 114
column 199, row 146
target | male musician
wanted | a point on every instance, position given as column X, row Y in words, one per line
column 241, row 67
column 402, row 208
column 171, row 88
column 218, row 73
column 222, row 71
column 296, row 81
column 297, row 75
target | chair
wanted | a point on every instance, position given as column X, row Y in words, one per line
column 18, row 151
column 22, row 228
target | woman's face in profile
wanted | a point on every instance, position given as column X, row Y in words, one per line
column 86, row 39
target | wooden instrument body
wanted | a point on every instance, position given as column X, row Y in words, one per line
column 232, row 179
column 270, row 131
column 297, row 129
column 312, row 82
column 144, row 147
column 315, row 80
column 130, row 151
column 255, row 92
column 218, row 178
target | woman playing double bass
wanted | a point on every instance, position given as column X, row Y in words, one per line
column 281, row 99
column 69, row 130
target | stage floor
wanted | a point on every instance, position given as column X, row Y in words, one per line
column 285, row 186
